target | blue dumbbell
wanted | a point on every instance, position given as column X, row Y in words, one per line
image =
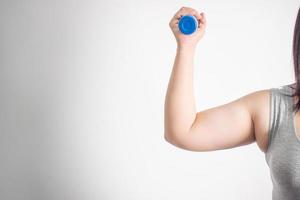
column 188, row 24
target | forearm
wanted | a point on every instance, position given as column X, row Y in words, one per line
column 180, row 108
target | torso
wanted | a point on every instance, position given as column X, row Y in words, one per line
column 282, row 154
column 261, row 111
column 297, row 121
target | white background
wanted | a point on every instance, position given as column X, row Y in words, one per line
column 82, row 93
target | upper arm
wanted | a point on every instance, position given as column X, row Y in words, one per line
column 222, row 127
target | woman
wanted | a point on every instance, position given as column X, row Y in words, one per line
column 268, row 117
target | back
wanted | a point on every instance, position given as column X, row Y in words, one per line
column 283, row 153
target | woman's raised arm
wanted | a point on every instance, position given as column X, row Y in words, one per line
column 221, row 127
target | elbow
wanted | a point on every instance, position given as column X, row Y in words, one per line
column 174, row 139
column 167, row 137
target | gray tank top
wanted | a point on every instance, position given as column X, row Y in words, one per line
column 283, row 153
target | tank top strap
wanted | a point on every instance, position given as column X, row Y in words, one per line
column 280, row 114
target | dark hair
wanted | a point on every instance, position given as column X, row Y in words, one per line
column 296, row 58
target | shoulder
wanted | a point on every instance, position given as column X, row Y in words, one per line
column 259, row 101
column 259, row 106
column 284, row 89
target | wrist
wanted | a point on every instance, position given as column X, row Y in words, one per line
column 189, row 48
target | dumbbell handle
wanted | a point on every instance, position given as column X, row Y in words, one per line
column 188, row 24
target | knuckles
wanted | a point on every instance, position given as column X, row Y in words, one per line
column 191, row 10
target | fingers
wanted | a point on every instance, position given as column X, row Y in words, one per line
column 185, row 11
column 203, row 19
column 200, row 17
column 177, row 16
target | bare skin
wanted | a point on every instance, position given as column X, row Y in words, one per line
column 236, row 123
